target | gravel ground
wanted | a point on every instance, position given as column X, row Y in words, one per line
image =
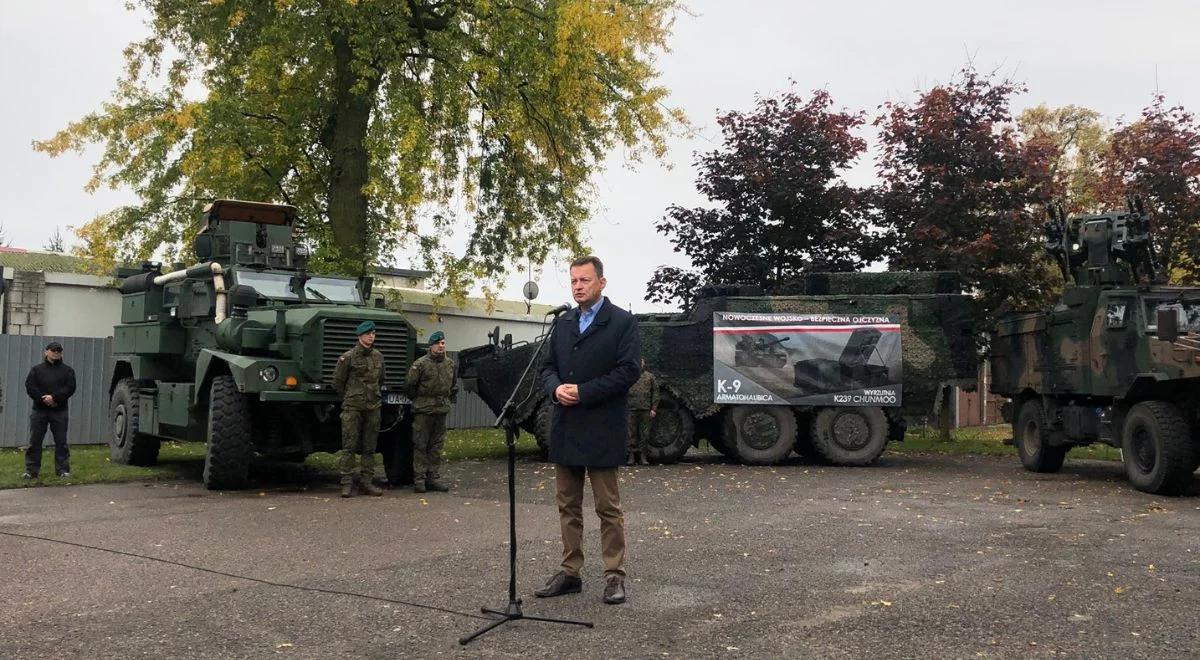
column 919, row 556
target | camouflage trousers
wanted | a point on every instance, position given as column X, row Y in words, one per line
column 429, row 436
column 360, row 433
column 640, row 422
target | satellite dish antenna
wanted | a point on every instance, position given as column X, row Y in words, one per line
column 530, row 290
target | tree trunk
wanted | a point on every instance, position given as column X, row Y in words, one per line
column 946, row 414
column 348, row 164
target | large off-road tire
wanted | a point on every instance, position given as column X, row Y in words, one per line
column 542, row 421
column 671, row 432
column 227, row 461
column 1032, row 438
column 850, row 436
column 1157, row 448
column 760, row 435
column 125, row 444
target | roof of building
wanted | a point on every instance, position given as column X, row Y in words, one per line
column 40, row 260
column 402, row 272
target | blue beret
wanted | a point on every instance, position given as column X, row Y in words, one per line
column 365, row 327
column 437, row 336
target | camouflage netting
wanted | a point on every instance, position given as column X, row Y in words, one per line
column 496, row 372
column 680, row 353
column 889, row 283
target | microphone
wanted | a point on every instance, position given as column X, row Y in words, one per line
column 558, row 310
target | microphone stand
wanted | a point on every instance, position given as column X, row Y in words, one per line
column 507, row 419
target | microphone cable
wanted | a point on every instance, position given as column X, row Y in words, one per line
column 271, row 583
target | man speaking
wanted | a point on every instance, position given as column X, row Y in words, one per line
column 594, row 359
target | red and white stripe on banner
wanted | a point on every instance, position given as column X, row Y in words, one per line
column 796, row 329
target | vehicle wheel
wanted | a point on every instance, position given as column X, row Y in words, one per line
column 850, row 436
column 227, row 461
column 396, row 450
column 760, row 435
column 671, row 432
column 1157, row 448
column 1032, row 440
column 125, row 444
column 541, row 427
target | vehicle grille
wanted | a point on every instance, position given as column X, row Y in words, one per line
column 391, row 339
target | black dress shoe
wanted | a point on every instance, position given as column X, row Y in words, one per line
column 614, row 591
column 559, row 585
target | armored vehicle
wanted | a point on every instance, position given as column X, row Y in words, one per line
column 1116, row 361
column 763, row 351
column 239, row 351
column 938, row 345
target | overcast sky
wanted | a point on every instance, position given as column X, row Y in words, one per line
column 60, row 59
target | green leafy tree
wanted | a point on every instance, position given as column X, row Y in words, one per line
column 779, row 206
column 1158, row 158
column 1074, row 141
column 961, row 192
column 374, row 117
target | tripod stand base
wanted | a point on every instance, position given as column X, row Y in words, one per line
column 513, row 613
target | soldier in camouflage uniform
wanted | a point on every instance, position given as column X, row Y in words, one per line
column 643, row 406
column 357, row 378
column 432, row 384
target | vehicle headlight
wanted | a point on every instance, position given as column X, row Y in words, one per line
column 268, row 374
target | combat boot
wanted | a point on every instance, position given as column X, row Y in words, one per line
column 419, row 486
column 348, row 489
column 436, row 486
column 369, row 488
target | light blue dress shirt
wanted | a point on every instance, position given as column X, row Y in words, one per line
column 586, row 318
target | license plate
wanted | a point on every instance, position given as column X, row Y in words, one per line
column 396, row 399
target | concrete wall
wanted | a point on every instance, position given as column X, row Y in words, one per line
column 23, row 308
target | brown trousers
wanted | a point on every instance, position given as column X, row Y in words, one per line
column 569, row 482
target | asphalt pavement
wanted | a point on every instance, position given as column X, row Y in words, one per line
column 917, row 557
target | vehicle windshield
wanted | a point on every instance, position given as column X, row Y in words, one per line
column 1191, row 309
column 278, row 285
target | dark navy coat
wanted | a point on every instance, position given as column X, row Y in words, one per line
column 604, row 362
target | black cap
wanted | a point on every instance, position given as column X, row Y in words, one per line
column 54, row 346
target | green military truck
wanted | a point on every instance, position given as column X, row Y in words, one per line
column 239, row 352
column 1116, row 361
column 938, row 350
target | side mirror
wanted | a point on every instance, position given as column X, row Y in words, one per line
column 203, row 246
column 1167, row 320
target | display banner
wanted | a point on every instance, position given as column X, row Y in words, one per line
column 806, row 359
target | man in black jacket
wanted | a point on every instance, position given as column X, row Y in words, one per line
column 50, row 384
column 594, row 358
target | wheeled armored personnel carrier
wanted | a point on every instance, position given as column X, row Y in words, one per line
column 239, row 352
column 1116, row 361
column 938, row 344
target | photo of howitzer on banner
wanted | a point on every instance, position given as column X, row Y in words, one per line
column 806, row 359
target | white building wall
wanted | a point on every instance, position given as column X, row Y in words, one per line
column 80, row 306
column 465, row 330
